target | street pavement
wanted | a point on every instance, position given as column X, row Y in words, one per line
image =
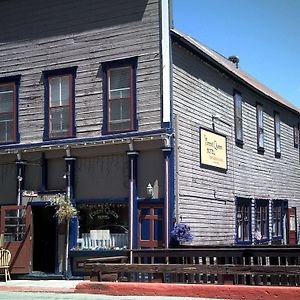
column 68, row 296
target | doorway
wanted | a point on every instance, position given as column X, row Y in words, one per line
column 44, row 238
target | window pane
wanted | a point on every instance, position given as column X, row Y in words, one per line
column 119, row 110
column 3, row 135
column 119, row 83
column 6, row 127
column 115, row 110
column 261, row 138
column 97, row 219
column 239, row 130
column 277, row 124
column 260, row 116
column 238, row 117
column 125, row 109
column 278, row 147
column 6, row 97
column 59, row 120
column 119, row 78
column 238, row 105
column 10, row 131
column 65, row 90
column 54, row 91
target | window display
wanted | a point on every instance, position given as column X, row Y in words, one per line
column 103, row 226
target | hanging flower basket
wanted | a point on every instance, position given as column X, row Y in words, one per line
column 64, row 208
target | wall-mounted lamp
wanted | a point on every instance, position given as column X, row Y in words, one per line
column 166, row 140
column 149, row 191
column 66, row 175
column 20, row 178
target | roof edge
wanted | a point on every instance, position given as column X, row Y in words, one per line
column 234, row 73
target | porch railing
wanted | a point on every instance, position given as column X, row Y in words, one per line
column 213, row 265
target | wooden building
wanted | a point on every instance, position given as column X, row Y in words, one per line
column 103, row 102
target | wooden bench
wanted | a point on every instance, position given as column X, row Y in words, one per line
column 91, row 266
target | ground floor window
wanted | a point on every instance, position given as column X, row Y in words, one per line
column 243, row 220
column 103, row 226
column 277, row 219
column 262, row 222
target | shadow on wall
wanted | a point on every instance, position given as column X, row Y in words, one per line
column 34, row 19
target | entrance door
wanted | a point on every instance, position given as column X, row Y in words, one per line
column 292, row 226
column 150, row 226
column 44, row 237
column 16, row 234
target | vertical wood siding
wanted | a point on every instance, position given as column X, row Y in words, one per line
column 206, row 197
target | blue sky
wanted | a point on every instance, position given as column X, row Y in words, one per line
column 265, row 34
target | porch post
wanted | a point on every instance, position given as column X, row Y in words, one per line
column 20, row 179
column 167, row 151
column 70, row 189
column 132, row 207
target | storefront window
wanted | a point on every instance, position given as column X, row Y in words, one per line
column 103, row 226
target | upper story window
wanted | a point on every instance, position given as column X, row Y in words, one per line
column 262, row 221
column 8, row 109
column 243, row 221
column 119, row 89
column 260, row 127
column 277, row 135
column 238, row 120
column 59, row 103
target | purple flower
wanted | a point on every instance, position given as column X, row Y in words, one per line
column 181, row 233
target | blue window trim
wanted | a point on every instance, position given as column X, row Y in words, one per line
column 105, row 67
column 261, row 203
column 52, row 73
column 16, row 80
column 278, row 203
column 248, row 203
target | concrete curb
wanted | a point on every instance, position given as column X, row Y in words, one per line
column 190, row 290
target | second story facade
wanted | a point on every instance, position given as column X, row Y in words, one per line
column 79, row 70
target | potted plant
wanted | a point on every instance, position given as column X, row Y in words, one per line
column 181, row 233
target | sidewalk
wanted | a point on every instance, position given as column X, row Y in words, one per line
column 55, row 286
column 154, row 289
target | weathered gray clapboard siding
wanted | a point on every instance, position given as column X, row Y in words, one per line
column 36, row 37
column 206, row 197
